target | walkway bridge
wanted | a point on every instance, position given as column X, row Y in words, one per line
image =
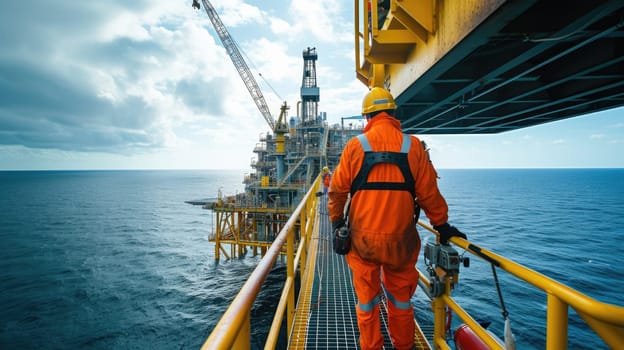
column 322, row 315
column 454, row 67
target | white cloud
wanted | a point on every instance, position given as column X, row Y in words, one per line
column 234, row 13
column 133, row 75
column 323, row 25
column 279, row 26
column 124, row 24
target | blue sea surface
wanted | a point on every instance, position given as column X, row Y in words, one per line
column 567, row 224
column 117, row 260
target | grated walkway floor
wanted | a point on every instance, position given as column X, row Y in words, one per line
column 325, row 316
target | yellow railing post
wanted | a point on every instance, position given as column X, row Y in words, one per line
column 556, row 323
column 439, row 330
column 303, row 231
column 290, row 274
column 303, row 240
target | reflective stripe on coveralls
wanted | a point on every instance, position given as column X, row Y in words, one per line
column 400, row 304
column 368, row 307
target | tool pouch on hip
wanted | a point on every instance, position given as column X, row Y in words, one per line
column 342, row 240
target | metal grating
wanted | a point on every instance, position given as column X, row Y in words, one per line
column 332, row 323
column 325, row 316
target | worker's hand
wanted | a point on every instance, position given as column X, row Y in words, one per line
column 337, row 224
column 447, row 231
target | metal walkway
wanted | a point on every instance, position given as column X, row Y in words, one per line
column 325, row 315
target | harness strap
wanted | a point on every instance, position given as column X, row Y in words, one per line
column 372, row 158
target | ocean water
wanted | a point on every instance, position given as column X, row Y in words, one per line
column 564, row 223
column 117, row 260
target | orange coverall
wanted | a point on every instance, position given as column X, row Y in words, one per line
column 384, row 240
column 326, row 181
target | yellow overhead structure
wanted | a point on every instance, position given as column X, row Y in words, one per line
column 490, row 66
column 404, row 41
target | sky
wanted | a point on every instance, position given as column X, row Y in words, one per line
column 148, row 85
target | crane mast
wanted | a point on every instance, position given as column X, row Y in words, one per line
column 239, row 62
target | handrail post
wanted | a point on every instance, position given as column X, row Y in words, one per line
column 290, row 274
column 556, row 323
column 439, row 327
column 304, row 239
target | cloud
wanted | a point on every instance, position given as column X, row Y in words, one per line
column 113, row 77
column 322, row 25
column 234, row 13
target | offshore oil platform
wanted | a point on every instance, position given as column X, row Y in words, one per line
column 288, row 159
column 287, row 162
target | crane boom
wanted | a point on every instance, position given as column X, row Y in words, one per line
column 239, row 62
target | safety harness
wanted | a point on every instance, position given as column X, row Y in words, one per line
column 372, row 158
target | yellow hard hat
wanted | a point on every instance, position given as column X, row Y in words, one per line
column 325, row 169
column 377, row 99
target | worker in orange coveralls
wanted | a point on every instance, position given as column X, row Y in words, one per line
column 326, row 179
column 386, row 174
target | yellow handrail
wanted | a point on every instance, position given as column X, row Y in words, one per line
column 233, row 329
column 606, row 320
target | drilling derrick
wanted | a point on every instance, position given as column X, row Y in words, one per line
column 310, row 95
